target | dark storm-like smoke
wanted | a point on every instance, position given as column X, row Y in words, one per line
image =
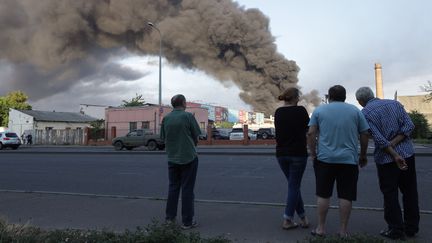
column 54, row 42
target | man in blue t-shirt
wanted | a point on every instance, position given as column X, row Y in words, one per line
column 333, row 140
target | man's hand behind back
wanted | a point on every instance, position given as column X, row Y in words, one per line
column 401, row 163
column 363, row 161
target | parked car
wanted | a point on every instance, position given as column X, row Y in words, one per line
column 237, row 134
column 222, row 134
column 9, row 139
column 138, row 138
column 266, row 133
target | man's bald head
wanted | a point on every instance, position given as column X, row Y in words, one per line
column 178, row 101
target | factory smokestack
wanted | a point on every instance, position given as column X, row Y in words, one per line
column 49, row 45
column 379, row 81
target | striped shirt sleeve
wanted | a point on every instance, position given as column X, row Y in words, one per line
column 379, row 138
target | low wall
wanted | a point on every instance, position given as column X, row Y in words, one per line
column 203, row 142
column 238, row 142
column 99, row 142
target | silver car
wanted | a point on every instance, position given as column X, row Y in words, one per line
column 9, row 139
column 237, row 134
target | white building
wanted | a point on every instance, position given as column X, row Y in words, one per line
column 417, row 103
column 96, row 111
column 28, row 121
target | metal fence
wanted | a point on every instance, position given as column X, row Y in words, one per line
column 59, row 137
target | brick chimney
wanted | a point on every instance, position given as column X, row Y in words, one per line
column 378, row 81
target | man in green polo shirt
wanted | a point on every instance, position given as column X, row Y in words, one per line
column 180, row 132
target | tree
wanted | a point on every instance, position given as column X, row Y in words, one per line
column 224, row 124
column 16, row 100
column 137, row 101
column 427, row 88
column 97, row 130
column 98, row 124
column 421, row 129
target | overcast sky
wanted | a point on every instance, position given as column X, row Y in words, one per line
column 338, row 42
column 332, row 41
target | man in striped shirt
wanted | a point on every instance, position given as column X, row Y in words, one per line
column 391, row 127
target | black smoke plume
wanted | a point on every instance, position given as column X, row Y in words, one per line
column 50, row 44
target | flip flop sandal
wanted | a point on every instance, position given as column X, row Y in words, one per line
column 304, row 223
column 292, row 225
column 315, row 233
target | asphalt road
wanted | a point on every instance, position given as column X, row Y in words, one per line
column 221, row 177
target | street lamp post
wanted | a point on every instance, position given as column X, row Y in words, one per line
column 160, row 60
column 160, row 74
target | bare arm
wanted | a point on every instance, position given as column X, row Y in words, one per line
column 312, row 141
column 364, row 140
column 162, row 130
column 195, row 129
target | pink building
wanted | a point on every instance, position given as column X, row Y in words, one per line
column 126, row 119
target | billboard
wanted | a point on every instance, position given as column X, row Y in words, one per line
column 233, row 115
column 259, row 118
column 211, row 111
column 221, row 114
column 251, row 117
column 243, row 116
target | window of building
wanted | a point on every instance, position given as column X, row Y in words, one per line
column 145, row 125
column 132, row 126
column 48, row 128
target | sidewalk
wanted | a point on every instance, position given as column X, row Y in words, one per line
column 239, row 222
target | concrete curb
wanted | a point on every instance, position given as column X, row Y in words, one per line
column 266, row 204
column 239, row 153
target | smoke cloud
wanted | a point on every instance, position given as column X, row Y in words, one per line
column 50, row 44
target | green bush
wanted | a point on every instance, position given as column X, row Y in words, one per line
column 223, row 124
column 421, row 129
column 153, row 233
column 423, row 141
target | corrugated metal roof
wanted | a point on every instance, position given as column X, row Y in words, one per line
column 55, row 116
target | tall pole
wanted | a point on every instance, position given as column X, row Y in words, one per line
column 160, row 60
column 160, row 75
column 160, row 68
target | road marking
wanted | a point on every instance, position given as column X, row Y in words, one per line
column 196, row 200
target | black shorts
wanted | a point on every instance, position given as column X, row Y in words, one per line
column 345, row 175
